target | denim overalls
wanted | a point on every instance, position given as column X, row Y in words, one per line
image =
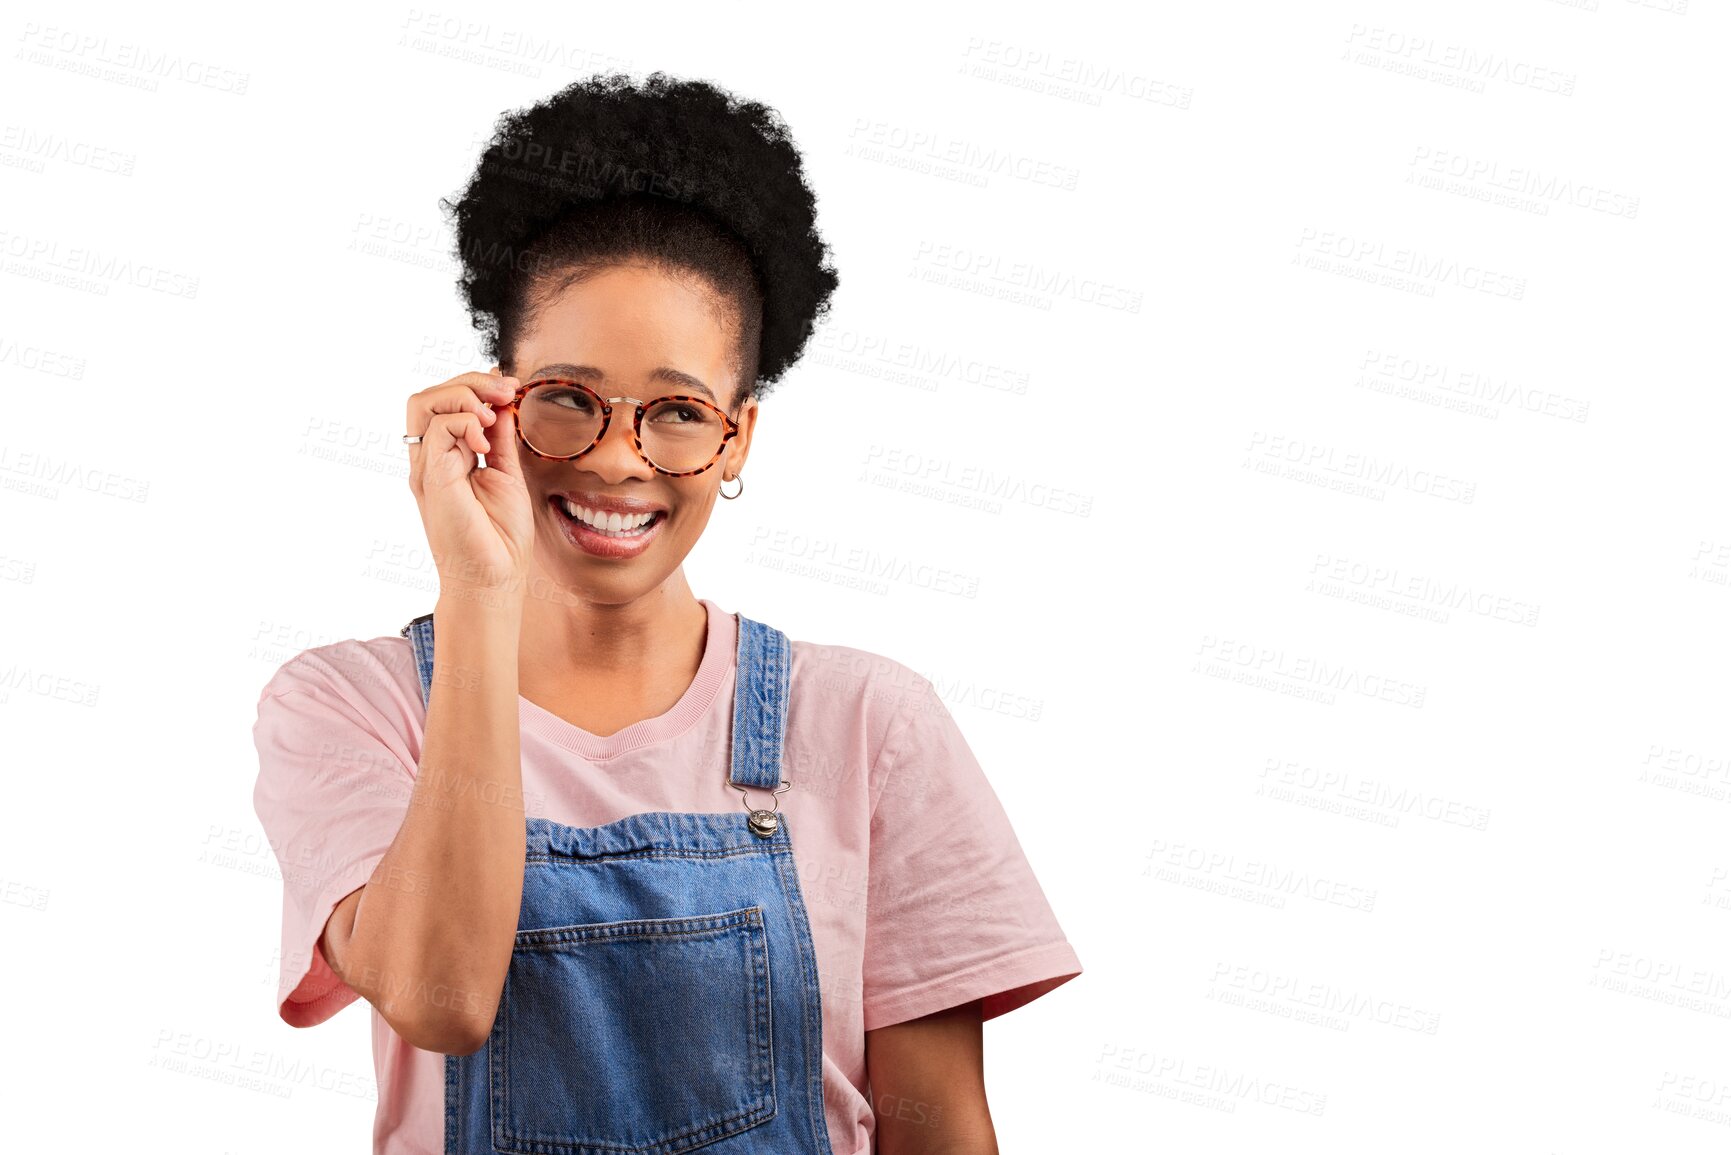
column 663, row 988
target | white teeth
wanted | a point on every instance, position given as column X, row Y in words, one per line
column 606, row 522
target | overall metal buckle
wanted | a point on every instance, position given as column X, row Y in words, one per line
column 763, row 823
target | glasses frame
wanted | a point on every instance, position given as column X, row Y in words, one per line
column 728, row 423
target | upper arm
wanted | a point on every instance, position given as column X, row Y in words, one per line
column 334, row 784
column 928, row 1087
column 953, row 912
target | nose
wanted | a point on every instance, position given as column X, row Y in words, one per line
column 615, row 455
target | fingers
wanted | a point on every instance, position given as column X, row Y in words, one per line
column 448, row 450
column 502, row 434
column 502, row 451
column 452, row 419
column 472, row 392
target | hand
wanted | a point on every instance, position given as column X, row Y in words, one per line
column 479, row 522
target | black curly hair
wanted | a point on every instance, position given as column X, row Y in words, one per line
column 676, row 173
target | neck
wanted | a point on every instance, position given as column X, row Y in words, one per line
column 570, row 639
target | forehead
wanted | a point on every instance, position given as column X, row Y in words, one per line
column 662, row 380
column 629, row 321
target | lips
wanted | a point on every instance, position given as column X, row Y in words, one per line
column 604, row 522
column 602, row 544
column 610, row 503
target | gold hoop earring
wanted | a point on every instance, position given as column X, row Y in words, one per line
column 735, row 493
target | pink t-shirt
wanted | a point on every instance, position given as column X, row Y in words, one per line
column 916, row 887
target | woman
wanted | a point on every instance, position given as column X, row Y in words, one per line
column 517, row 835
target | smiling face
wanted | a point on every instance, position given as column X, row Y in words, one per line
column 633, row 331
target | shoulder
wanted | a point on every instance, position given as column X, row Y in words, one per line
column 335, row 710
column 376, row 670
column 874, row 683
column 920, row 767
column 866, row 708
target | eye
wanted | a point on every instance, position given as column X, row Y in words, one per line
column 565, row 397
column 679, row 413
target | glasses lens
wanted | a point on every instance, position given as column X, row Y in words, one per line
column 679, row 435
column 561, row 418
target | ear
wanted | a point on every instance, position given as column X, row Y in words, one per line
column 739, row 447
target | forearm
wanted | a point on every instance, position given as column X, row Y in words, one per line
column 435, row 926
column 960, row 1126
column 928, row 1085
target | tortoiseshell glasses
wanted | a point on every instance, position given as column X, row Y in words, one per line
column 678, row 434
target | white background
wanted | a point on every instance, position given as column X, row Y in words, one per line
column 1291, row 437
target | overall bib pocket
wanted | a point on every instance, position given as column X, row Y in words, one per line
column 639, row 1037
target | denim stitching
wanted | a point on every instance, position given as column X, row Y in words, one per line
column 810, row 993
column 749, row 920
column 689, row 927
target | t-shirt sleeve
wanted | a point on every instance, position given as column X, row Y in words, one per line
column 954, row 911
column 333, row 787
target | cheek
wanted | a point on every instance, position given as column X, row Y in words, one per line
column 693, row 499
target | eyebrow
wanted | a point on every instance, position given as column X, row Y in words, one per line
column 665, row 375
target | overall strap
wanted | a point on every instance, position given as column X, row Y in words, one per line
column 420, row 635
column 760, row 704
column 765, row 666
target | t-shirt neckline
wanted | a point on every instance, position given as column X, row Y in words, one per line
column 719, row 659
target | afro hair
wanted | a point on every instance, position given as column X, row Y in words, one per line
column 677, row 173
